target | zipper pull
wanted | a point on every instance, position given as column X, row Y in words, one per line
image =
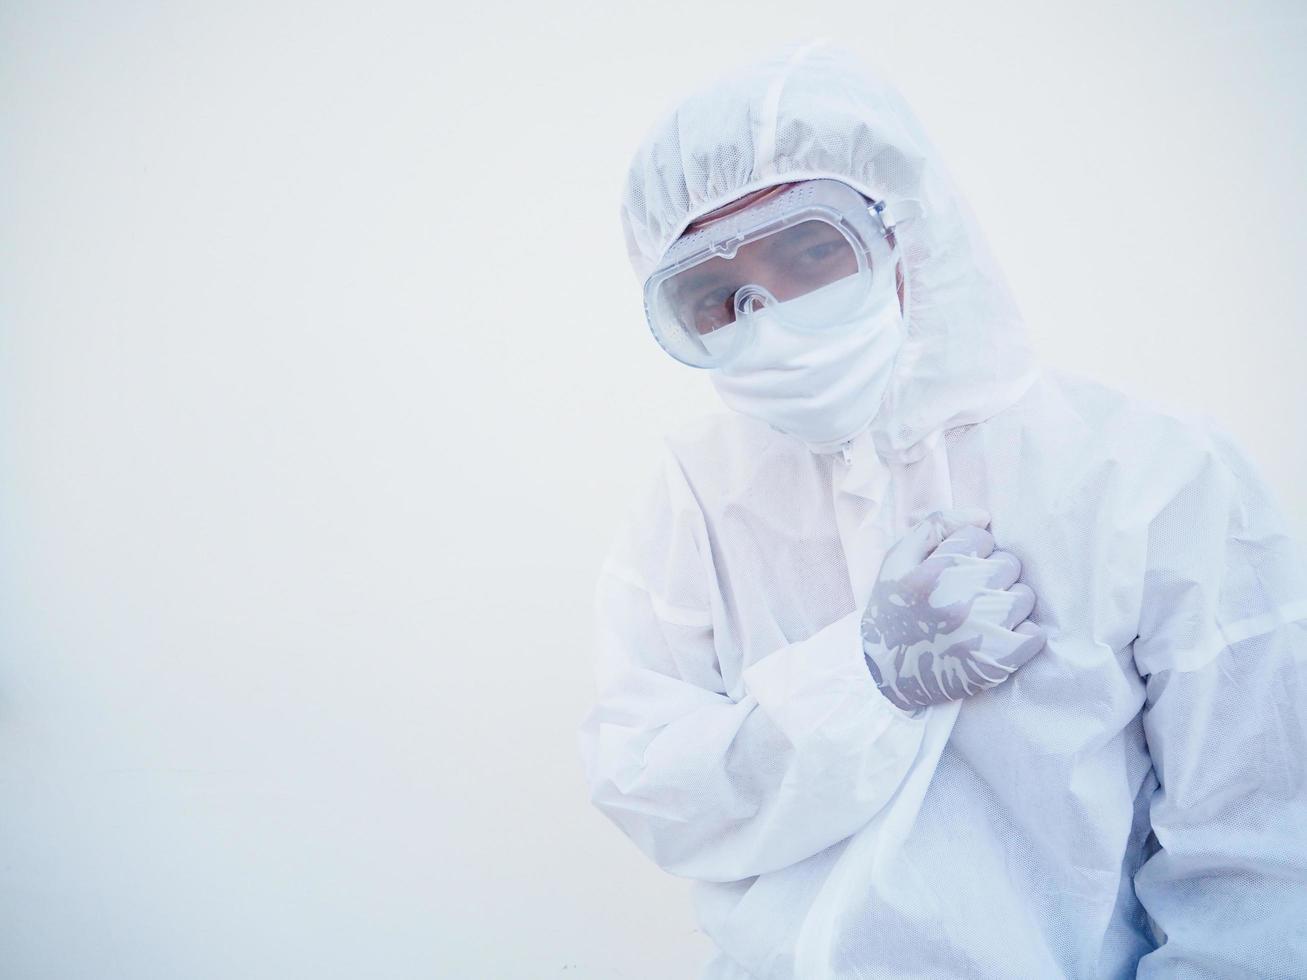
column 848, row 456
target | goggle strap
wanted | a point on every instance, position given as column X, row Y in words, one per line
column 891, row 218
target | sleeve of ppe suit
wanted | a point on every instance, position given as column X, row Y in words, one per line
column 708, row 786
column 1223, row 646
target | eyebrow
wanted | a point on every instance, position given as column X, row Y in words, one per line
column 802, row 231
column 696, row 280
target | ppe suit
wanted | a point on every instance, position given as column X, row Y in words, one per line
column 1130, row 802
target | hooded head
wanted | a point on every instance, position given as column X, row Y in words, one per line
column 809, row 111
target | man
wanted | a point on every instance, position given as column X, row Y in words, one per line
column 1057, row 728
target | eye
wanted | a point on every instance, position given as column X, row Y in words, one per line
column 714, row 297
column 822, row 251
column 714, row 308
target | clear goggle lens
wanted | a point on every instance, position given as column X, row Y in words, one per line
column 737, row 274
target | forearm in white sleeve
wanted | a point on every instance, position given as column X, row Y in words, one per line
column 720, row 789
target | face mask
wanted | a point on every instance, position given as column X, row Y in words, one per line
column 821, row 385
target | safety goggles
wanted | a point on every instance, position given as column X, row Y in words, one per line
column 779, row 249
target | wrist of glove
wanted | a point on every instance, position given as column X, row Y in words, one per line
column 947, row 618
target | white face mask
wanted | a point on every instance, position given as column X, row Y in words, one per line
column 820, row 386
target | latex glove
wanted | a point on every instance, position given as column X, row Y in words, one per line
column 947, row 617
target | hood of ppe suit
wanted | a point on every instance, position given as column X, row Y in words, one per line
column 813, row 110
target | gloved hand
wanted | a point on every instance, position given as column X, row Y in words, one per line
column 947, row 616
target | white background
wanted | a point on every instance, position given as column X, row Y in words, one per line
column 324, row 380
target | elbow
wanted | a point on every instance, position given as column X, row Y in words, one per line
column 684, row 840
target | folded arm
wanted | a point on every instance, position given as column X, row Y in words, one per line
column 714, row 787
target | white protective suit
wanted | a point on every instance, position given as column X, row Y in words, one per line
column 1131, row 799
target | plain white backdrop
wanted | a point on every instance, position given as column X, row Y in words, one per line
column 324, row 381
